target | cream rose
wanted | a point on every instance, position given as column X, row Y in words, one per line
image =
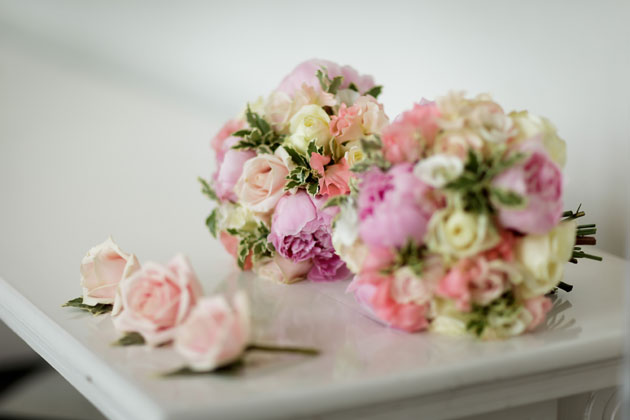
column 353, row 153
column 456, row 233
column 438, row 170
column 447, row 320
column 102, row 269
column 283, row 270
column 155, row 300
column 543, row 258
column 235, row 216
column 309, row 123
column 262, row 183
column 529, row 126
column 216, row 332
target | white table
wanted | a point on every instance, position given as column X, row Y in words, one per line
column 365, row 370
column 82, row 156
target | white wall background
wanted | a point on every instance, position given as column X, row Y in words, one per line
column 567, row 60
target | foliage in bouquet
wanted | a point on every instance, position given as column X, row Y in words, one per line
column 282, row 159
column 457, row 222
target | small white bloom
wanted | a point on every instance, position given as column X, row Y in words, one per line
column 438, row 170
column 311, row 122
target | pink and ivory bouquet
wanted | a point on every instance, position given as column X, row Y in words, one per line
column 457, row 223
column 280, row 161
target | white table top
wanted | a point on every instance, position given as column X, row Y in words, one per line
column 82, row 158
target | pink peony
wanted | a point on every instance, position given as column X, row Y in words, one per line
column 216, row 332
column 223, row 141
column 155, row 300
column 394, row 207
column 306, row 73
column 301, row 231
column 406, row 139
column 334, row 179
column 230, row 170
column 538, row 308
column 373, row 292
column 537, row 179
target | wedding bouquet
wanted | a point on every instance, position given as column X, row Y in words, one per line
column 457, row 222
column 280, row 161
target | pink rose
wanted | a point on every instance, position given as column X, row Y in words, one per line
column 364, row 117
column 216, row 333
column 284, row 270
column 306, row 73
column 222, row 142
column 539, row 181
column 538, row 308
column 103, row 267
column 262, row 183
column 334, row 179
column 157, row 299
column 373, row 292
column 230, row 170
column 474, row 281
column 406, row 139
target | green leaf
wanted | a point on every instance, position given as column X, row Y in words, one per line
column 313, row 148
column 296, row 157
column 335, row 84
column 354, row 87
column 98, row 309
column 375, row 91
column 211, row 222
column 507, row 198
column 207, row 190
column 338, row 200
column 313, row 189
column 130, row 339
column 322, row 76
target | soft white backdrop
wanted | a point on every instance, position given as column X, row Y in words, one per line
column 567, row 60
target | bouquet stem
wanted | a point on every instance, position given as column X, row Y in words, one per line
column 283, row 349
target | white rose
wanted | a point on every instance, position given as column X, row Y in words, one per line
column 529, row 126
column 311, row 122
column 102, row 269
column 456, row 233
column 505, row 326
column 438, row 170
column 346, row 227
column 543, row 257
column 447, row 319
column 235, row 216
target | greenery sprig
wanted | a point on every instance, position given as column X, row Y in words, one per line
column 254, row 241
column 504, row 306
column 474, row 184
column 98, row 309
column 259, row 136
column 303, row 176
column 373, row 149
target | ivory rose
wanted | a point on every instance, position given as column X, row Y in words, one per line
column 539, row 181
column 334, row 179
column 262, row 183
column 216, row 332
column 438, row 170
column 458, row 234
column 529, row 126
column 102, row 269
column 544, row 258
column 281, row 107
column 156, row 299
column 308, row 124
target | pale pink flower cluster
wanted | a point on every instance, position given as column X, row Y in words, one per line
column 164, row 304
column 325, row 127
column 464, row 227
